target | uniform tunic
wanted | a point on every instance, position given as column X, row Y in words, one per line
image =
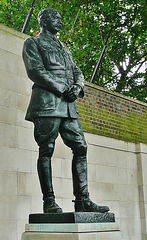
column 50, row 66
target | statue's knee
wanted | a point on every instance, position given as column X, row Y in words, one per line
column 81, row 150
column 46, row 150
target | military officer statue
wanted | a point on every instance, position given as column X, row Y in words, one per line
column 58, row 82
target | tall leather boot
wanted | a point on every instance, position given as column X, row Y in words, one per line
column 79, row 174
column 80, row 186
column 45, row 177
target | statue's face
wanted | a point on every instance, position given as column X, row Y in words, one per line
column 54, row 23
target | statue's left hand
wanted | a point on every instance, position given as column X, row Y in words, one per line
column 71, row 94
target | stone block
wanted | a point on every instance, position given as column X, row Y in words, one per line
column 56, row 167
column 1, row 134
column 8, row 115
column 11, row 41
column 8, row 229
column 142, row 148
column 107, row 142
column 8, row 158
column 131, row 226
column 144, row 236
column 8, row 81
column 62, row 151
column 126, row 192
column 135, row 209
column 13, row 159
column 63, row 188
column 66, row 168
column 8, row 182
column 132, row 177
column 126, row 209
column 26, row 139
column 132, row 223
column 95, row 190
column 21, row 120
column 22, row 102
column 72, row 231
column 137, row 237
column 92, row 173
column 36, row 204
column 106, row 174
column 114, row 207
column 145, row 193
column 10, row 135
column 124, row 224
column 33, row 159
column 50, row 236
column 16, row 83
column 14, row 207
column 143, row 168
column 140, row 178
column 126, row 160
column 59, row 201
column 23, row 160
column 20, row 228
column 110, row 236
column 8, row 61
column 24, row 86
column 122, row 161
column 20, row 67
column 135, row 193
column 72, row 236
column 68, row 205
column 8, row 98
column 143, row 209
column 22, row 177
column 28, row 184
column 103, row 192
column 143, row 225
column 141, row 193
column 132, row 161
column 97, row 155
column 72, row 227
column 122, row 177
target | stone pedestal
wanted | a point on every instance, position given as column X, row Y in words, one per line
column 72, row 231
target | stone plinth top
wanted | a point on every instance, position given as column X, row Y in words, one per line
column 72, row 231
column 72, row 227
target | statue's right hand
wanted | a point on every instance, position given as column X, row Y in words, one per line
column 70, row 95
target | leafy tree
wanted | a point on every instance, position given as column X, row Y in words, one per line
column 123, row 65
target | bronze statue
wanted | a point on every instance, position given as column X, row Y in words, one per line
column 58, row 82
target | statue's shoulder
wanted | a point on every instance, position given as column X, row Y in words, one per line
column 31, row 40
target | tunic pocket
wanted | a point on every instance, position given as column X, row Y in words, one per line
column 53, row 57
column 42, row 100
column 48, row 100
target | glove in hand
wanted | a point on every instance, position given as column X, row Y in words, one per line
column 71, row 94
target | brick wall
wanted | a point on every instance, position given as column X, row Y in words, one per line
column 111, row 114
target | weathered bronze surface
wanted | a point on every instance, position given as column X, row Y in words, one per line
column 72, row 217
column 58, row 82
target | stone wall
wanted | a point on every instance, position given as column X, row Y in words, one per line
column 116, row 168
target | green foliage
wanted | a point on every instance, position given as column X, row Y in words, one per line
column 123, row 65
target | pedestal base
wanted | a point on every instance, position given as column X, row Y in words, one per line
column 73, row 231
column 72, row 217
